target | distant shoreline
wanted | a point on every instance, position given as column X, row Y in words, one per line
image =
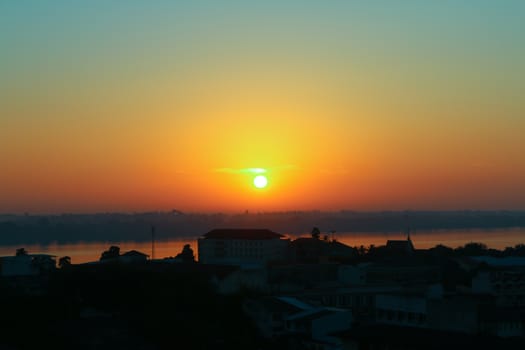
column 116, row 227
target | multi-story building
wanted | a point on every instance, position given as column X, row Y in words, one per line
column 242, row 247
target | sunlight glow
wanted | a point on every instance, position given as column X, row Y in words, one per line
column 260, row 181
column 256, row 170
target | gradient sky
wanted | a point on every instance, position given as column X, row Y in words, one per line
column 364, row 105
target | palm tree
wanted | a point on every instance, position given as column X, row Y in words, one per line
column 316, row 233
column 64, row 261
column 186, row 254
column 112, row 252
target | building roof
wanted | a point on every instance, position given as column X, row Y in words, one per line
column 242, row 233
column 400, row 245
column 134, row 253
column 312, row 314
column 295, row 302
column 289, row 305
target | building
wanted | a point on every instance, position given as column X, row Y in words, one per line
column 132, row 257
column 242, row 247
column 242, row 279
column 314, row 250
column 313, row 328
column 269, row 314
column 304, row 325
column 401, row 310
column 287, row 278
column 400, row 246
column 27, row 265
column 505, row 282
column 415, row 338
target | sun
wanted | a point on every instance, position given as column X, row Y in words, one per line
column 260, row 181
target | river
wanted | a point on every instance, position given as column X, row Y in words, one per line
column 82, row 252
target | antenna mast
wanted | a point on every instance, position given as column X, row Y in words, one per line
column 152, row 242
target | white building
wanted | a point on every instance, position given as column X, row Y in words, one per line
column 242, row 247
column 253, row 279
column 269, row 314
column 317, row 325
column 309, row 326
column 507, row 284
column 401, row 310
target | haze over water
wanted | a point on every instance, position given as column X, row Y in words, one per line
column 82, row 252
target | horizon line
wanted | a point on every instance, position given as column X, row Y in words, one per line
column 248, row 212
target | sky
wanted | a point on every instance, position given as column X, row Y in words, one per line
column 360, row 105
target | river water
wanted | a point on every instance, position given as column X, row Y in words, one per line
column 82, row 252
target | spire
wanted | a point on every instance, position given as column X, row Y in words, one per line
column 408, row 226
column 409, row 241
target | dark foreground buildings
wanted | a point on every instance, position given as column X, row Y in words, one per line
column 255, row 289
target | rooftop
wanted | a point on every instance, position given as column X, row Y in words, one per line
column 400, row 245
column 295, row 302
column 135, row 253
column 312, row 314
column 242, row 233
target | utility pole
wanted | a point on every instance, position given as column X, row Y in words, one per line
column 152, row 242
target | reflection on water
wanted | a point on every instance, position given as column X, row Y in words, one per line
column 497, row 239
column 90, row 251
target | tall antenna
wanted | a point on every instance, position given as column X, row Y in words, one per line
column 407, row 222
column 152, row 242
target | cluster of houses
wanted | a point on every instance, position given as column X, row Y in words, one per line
column 318, row 293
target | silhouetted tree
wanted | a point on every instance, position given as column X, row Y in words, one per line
column 21, row 251
column 186, row 254
column 472, row 249
column 517, row 250
column 442, row 250
column 64, row 261
column 111, row 253
column 316, row 233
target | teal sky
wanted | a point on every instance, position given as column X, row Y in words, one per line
column 56, row 37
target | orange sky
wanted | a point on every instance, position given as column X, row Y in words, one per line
column 394, row 113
